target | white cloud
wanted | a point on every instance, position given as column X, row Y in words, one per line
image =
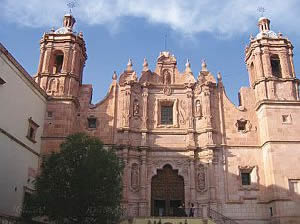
column 221, row 17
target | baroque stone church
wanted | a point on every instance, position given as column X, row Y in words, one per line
column 181, row 138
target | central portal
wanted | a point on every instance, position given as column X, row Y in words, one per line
column 167, row 192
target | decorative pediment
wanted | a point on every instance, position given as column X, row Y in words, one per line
column 165, row 57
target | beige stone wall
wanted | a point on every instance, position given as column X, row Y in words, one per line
column 20, row 99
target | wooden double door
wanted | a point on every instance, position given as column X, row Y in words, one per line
column 167, row 193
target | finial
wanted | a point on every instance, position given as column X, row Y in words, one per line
column 145, row 65
column 134, row 76
column 129, row 65
column 280, row 34
column 219, row 76
column 71, row 5
column 262, row 10
column 52, row 30
column 80, row 34
column 251, row 37
column 115, row 76
column 204, row 66
column 188, row 66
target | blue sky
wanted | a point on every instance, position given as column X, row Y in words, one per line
column 116, row 30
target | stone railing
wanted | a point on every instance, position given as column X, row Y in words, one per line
column 219, row 218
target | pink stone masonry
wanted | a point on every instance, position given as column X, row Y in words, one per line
column 240, row 161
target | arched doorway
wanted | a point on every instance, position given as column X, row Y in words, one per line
column 167, row 192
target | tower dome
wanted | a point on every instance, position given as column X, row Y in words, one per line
column 68, row 24
column 264, row 29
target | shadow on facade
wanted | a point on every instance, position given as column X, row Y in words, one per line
column 153, row 187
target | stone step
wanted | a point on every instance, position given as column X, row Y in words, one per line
column 167, row 220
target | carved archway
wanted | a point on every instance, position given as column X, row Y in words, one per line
column 167, row 192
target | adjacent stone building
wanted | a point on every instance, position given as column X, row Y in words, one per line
column 181, row 138
column 22, row 109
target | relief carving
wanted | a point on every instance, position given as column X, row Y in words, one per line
column 53, row 86
column 181, row 165
column 167, row 91
column 135, row 177
column 201, row 178
column 136, row 108
column 182, row 112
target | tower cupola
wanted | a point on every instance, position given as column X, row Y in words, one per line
column 69, row 22
column 265, row 28
column 264, row 24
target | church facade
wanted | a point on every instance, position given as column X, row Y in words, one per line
column 181, row 138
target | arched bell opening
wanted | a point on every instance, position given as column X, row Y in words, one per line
column 167, row 192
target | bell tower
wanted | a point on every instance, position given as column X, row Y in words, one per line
column 269, row 60
column 62, row 59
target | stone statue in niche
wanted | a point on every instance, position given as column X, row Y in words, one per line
column 166, row 77
column 201, row 178
column 198, row 109
column 135, row 176
column 136, row 108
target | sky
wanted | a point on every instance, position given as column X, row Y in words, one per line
column 216, row 31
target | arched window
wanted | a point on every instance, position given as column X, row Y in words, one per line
column 59, row 59
column 57, row 62
column 252, row 72
column 276, row 67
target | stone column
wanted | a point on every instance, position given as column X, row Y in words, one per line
column 284, row 65
column 189, row 94
column 207, row 114
column 125, row 178
column 259, row 67
column 42, row 55
column 192, row 180
column 126, row 106
column 74, row 56
column 47, row 59
column 145, row 108
column 190, row 118
column 292, row 63
column 143, row 178
column 67, row 51
column 267, row 63
column 206, row 106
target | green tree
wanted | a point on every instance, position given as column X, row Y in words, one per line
column 80, row 184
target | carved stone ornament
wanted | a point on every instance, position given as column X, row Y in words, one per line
column 198, row 111
column 136, row 108
column 182, row 112
column 198, row 90
column 135, row 177
column 181, row 165
column 201, row 178
column 167, row 90
column 166, row 77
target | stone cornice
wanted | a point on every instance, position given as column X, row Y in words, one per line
column 276, row 102
column 267, row 79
